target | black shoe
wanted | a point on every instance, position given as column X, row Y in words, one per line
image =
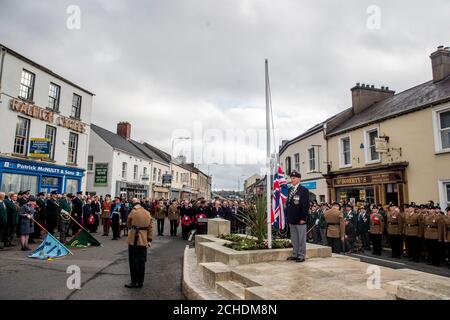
column 300, row 260
column 291, row 258
column 131, row 285
column 139, row 285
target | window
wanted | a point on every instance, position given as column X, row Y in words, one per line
column 297, row 162
column 371, row 154
column 73, row 146
column 159, row 175
column 76, row 106
column 13, row 182
column 90, row 163
column 312, row 159
column 447, row 189
column 135, row 172
column 50, row 134
column 288, row 166
column 345, row 152
column 145, row 171
column 444, row 128
column 26, row 85
column 124, row 170
column 154, row 175
column 53, row 96
column 177, row 177
column 72, row 186
column 21, row 139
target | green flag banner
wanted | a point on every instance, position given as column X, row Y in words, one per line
column 83, row 239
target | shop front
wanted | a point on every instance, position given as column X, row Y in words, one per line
column 366, row 187
column 160, row 192
column 37, row 176
column 132, row 190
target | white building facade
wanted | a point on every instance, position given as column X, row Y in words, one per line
column 116, row 166
column 45, row 127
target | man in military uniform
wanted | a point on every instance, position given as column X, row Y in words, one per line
column 334, row 219
column 363, row 226
column 13, row 208
column 376, row 230
column 446, row 233
column 52, row 212
column 3, row 220
column 40, row 214
column 174, row 217
column 412, row 232
column 160, row 216
column 297, row 206
column 139, row 238
column 395, row 221
column 63, row 218
column 433, row 234
column 77, row 211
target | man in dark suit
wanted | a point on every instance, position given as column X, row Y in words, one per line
column 52, row 212
column 77, row 211
column 297, row 206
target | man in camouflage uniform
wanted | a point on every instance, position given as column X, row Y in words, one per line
column 433, row 224
column 139, row 223
column 376, row 230
column 395, row 221
column 174, row 218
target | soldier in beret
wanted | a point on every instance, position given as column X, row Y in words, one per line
column 139, row 223
column 376, row 230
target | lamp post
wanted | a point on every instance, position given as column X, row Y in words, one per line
column 171, row 160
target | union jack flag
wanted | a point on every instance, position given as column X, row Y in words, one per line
column 279, row 196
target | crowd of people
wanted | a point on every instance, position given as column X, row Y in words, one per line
column 418, row 232
column 29, row 217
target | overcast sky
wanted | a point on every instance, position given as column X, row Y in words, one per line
column 171, row 66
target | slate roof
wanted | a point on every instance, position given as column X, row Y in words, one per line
column 313, row 130
column 416, row 98
column 117, row 142
column 144, row 147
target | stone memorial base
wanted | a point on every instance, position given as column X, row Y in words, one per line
column 212, row 271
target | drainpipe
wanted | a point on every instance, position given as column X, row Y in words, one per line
column 3, row 52
column 327, row 161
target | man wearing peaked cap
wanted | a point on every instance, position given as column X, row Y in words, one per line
column 53, row 210
column 297, row 206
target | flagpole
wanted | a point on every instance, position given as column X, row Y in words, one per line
column 76, row 222
column 48, row 233
column 268, row 169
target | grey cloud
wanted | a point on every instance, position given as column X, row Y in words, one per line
column 163, row 64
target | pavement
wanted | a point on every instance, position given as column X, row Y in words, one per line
column 104, row 271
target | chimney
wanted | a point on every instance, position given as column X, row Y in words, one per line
column 124, row 130
column 363, row 96
column 440, row 62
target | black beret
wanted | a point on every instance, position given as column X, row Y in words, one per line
column 79, row 192
column 53, row 192
column 295, row 174
column 41, row 194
